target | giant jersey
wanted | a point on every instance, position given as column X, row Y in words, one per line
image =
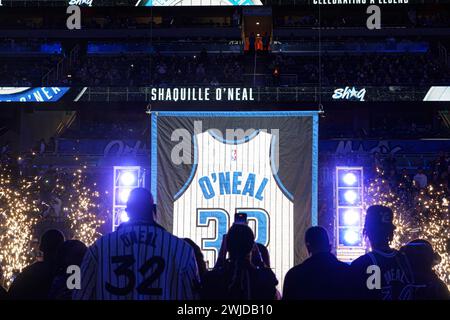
column 231, row 177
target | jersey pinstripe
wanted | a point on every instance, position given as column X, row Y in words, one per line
column 260, row 189
column 139, row 262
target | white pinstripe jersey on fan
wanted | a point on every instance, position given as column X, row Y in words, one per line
column 230, row 177
column 138, row 262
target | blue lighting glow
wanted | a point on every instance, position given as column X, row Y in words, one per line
column 124, row 217
column 349, row 179
column 350, row 196
column 351, row 217
column 124, row 194
column 351, row 237
column 128, row 178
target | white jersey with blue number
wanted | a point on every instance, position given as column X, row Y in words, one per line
column 231, row 177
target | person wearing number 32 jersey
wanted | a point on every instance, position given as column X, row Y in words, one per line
column 139, row 261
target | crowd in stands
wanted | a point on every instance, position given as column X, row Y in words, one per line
column 202, row 69
column 407, row 129
column 208, row 69
column 25, row 71
column 117, row 22
column 102, row 130
column 419, row 17
column 396, row 18
column 436, row 172
column 390, row 128
column 364, row 69
column 109, row 22
column 242, row 270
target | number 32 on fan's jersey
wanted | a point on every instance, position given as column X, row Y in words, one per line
column 222, row 223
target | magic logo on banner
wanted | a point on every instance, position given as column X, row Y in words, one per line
column 209, row 166
column 27, row 94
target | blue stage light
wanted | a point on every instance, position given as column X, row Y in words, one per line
column 351, row 237
column 128, row 178
column 351, row 217
column 124, row 194
column 350, row 196
column 349, row 179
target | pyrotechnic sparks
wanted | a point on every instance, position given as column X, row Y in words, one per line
column 425, row 216
column 82, row 209
column 18, row 215
column 20, row 212
column 434, row 221
column 380, row 192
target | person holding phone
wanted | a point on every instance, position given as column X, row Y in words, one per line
column 257, row 258
column 237, row 278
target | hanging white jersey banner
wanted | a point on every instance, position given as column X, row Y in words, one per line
column 209, row 166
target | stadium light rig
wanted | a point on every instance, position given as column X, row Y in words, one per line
column 126, row 178
column 349, row 200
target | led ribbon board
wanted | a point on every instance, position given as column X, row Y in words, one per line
column 169, row 3
column 208, row 166
column 438, row 94
column 28, row 94
column 349, row 199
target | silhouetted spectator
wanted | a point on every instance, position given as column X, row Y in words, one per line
column 395, row 275
column 427, row 285
column 238, row 278
column 392, row 178
column 265, row 41
column 71, row 252
column 143, row 246
column 405, row 179
column 251, row 43
column 203, row 56
column 214, row 82
column 5, row 148
column 42, row 146
column 261, row 258
column 390, row 163
column 201, row 264
column 442, row 163
column 34, row 281
column 262, row 255
column 51, row 147
column 236, row 18
column 3, row 293
column 377, row 161
column 420, row 179
column 276, row 76
column 321, row 276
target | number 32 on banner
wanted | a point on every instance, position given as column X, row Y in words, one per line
column 221, row 219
